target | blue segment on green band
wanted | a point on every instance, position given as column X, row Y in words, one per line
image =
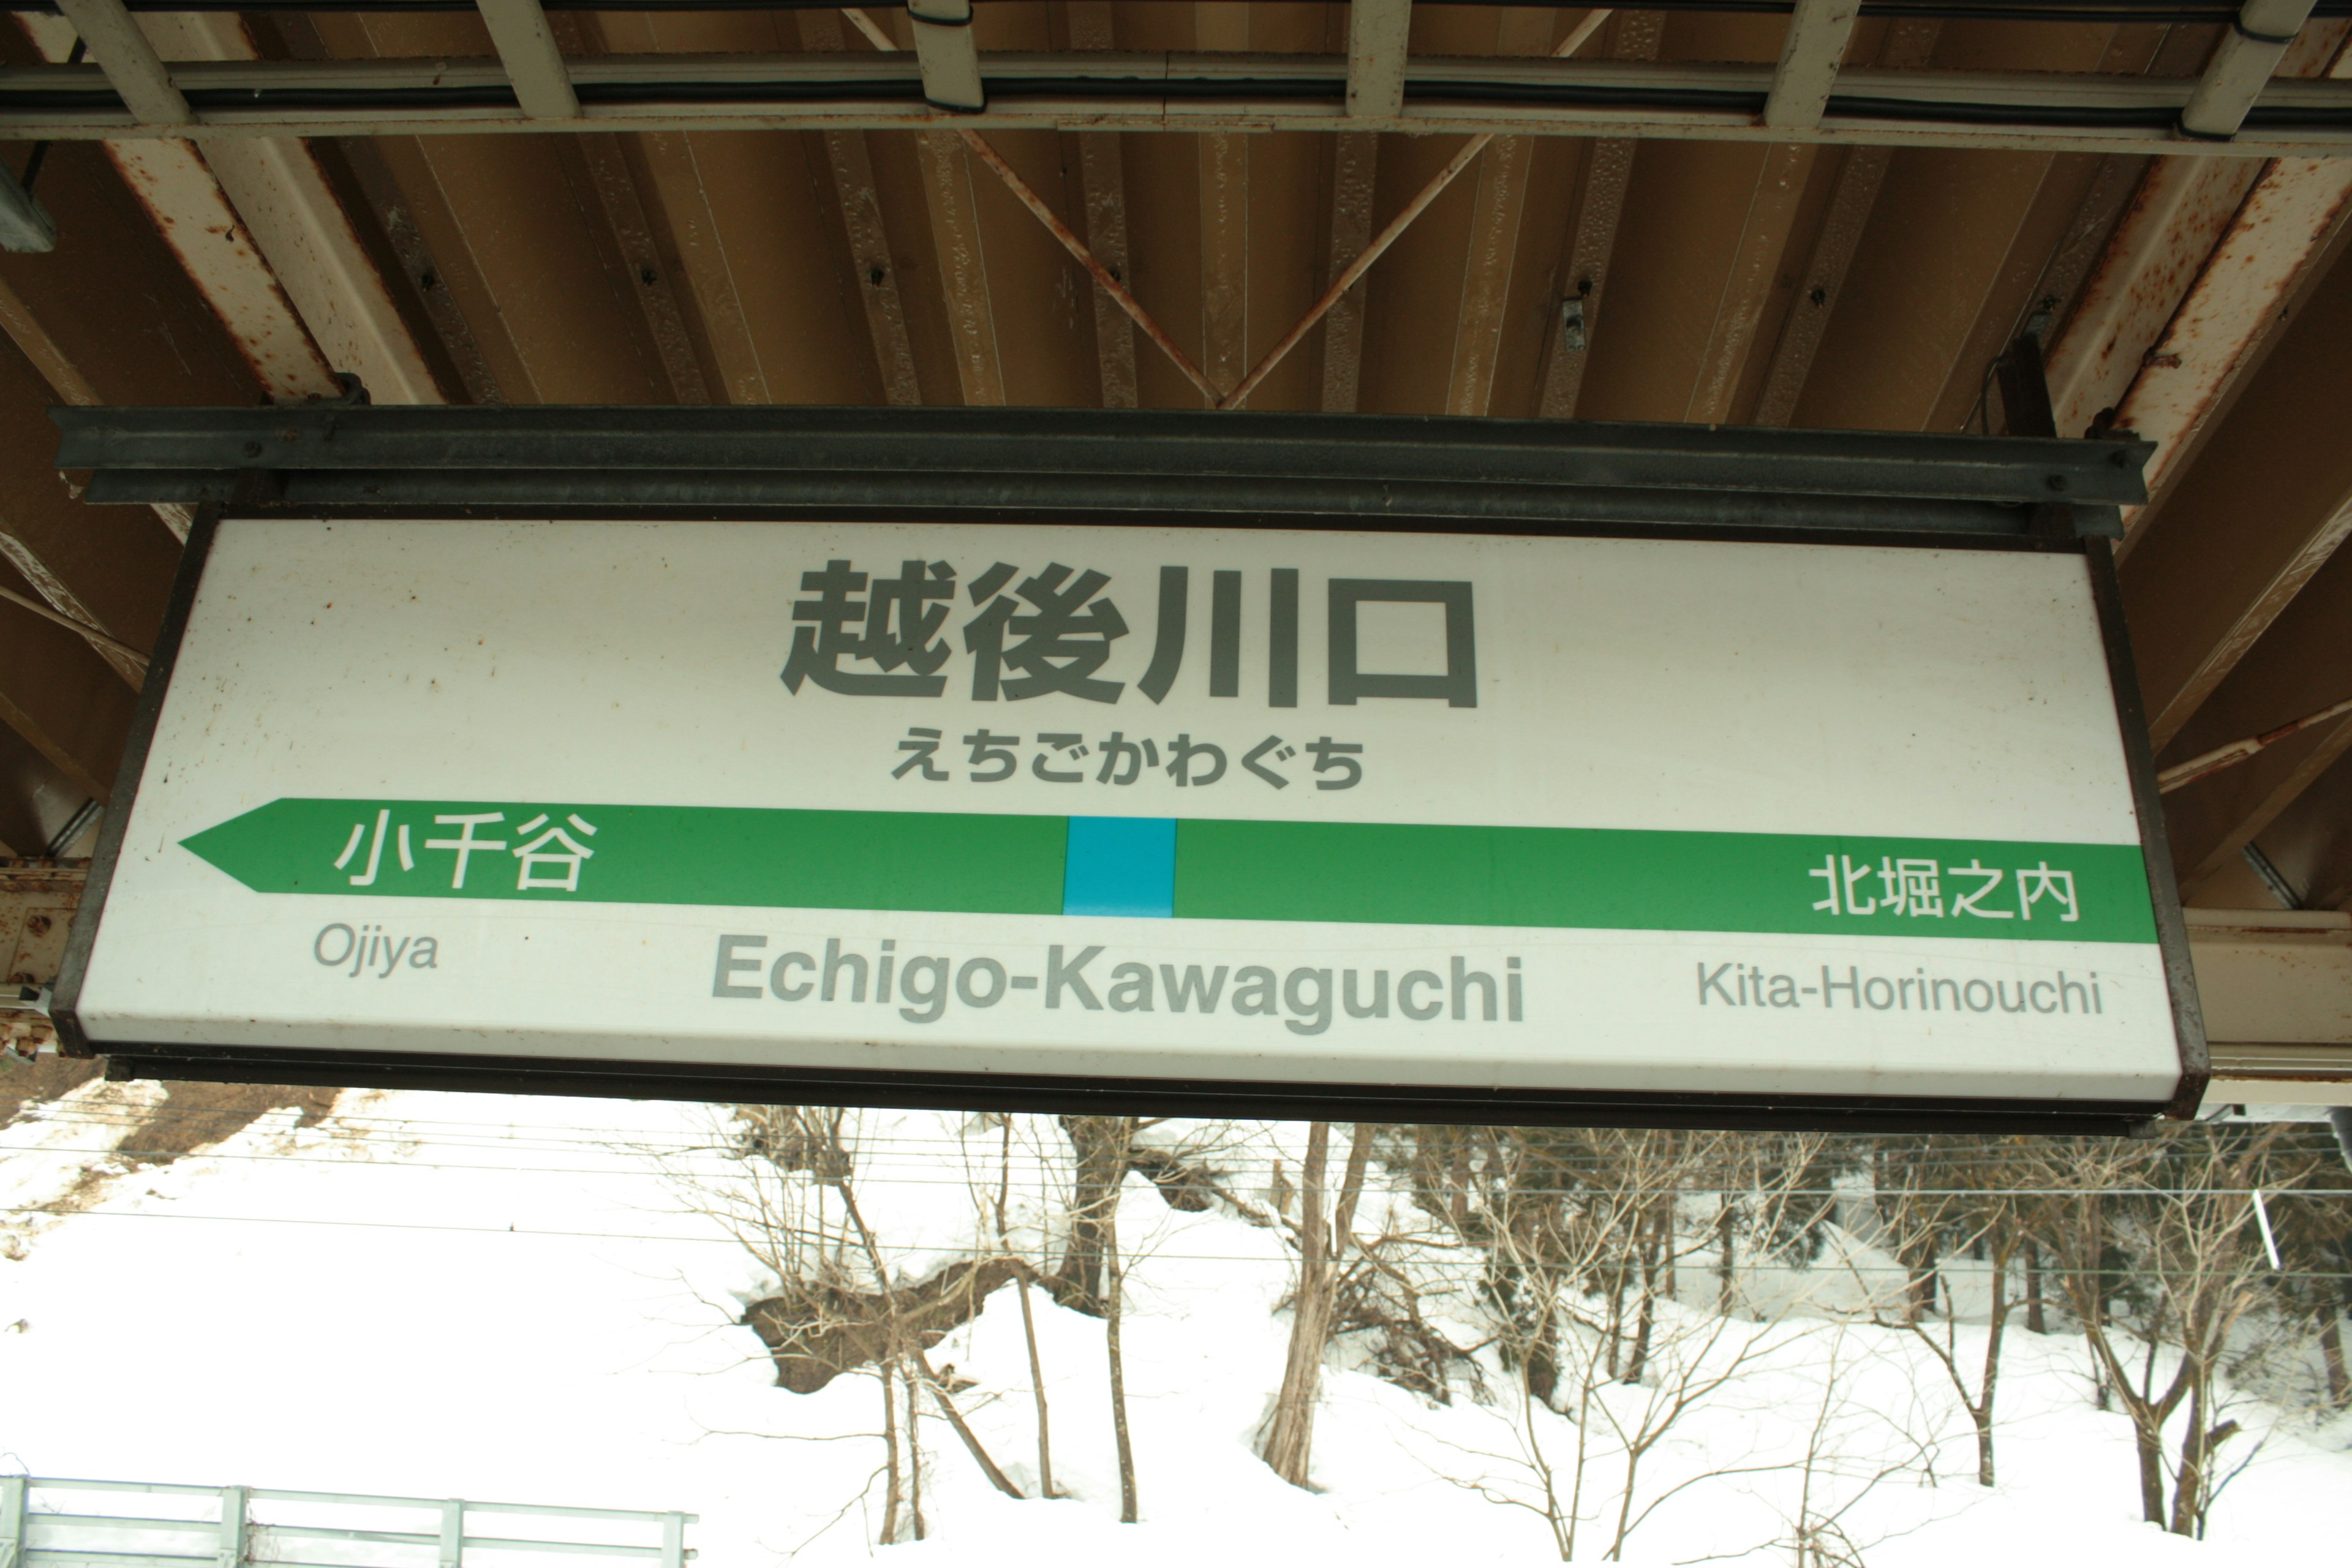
column 1120, row 866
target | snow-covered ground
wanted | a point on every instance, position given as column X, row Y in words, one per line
column 510, row 1299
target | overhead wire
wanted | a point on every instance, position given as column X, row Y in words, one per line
column 927, row 1249
column 929, row 1147
column 1242, row 1131
column 984, row 1164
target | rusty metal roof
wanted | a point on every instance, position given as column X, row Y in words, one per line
column 1776, row 213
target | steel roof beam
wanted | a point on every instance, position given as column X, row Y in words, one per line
column 542, row 83
column 1819, row 31
column 1102, row 180
column 1908, row 46
column 226, row 262
column 2267, row 506
column 1442, row 88
column 1355, row 165
column 1378, row 35
column 2053, row 112
column 2181, row 209
column 309, row 243
column 2288, row 221
column 2299, row 666
column 1583, row 275
column 1497, row 206
column 961, row 254
column 868, row 235
column 1470, row 151
column 642, row 274
column 2242, row 67
column 229, row 263
column 131, row 63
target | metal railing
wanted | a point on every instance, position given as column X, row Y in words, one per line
column 46, row 1522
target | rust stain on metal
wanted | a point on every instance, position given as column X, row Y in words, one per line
column 2161, row 244
column 172, row 181
column 2238, row 296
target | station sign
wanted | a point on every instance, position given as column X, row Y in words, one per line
column 1557, row 816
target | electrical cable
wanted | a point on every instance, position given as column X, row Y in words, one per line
column 932, row 1250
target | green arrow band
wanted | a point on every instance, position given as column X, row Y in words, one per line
column 1379, row 873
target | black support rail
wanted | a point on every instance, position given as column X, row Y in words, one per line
column 1303, row 470
column 2093, row 12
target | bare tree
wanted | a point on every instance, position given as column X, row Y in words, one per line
column 790, row 1197
column 1833, row 1477
column 1960, row 1194
column 1028, row 1319
column 2178, row 1266
column 1696, row 1359
column 906, row 1348
column 1102, row 1144
column 1582, row 1237
column 2314, row 1233
column 1543, row 1232
column 1290, row 1431
column 1119, row 1140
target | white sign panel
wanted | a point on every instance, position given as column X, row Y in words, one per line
column 1557, row 814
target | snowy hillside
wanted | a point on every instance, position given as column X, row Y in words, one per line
column 516, row 1300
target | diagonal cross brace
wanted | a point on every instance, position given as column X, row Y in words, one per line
column 1062, row 232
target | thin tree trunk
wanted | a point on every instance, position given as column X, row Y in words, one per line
column 1458, row 1180
column 2034, row 1321
column 1037, row 1386
column 1669, row 1204
column 889, row 1452
column 2331, row 1350
column 1559, row 1532
column 1982, row 1412
column 2095, row 1296
column 1290, row 1433
column 1616, row 1552
column 2147, row 1447
column 915, row 1460
column 988, row 1467
column 1614, row 1335
column 1583, row 1443
column 1919, row 1257
column 1638, row 1361
column 1727, row 1241
column 1099, row 1144
column 2148, row 1438
column 1542, row 1356
column 996, row 1476
column 1028, row 1320
column 1646, row 1321
column 2147, row 1414
column 1113, row 1310
column 2188, row 1488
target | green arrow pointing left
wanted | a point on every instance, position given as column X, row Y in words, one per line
column 644, row 855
